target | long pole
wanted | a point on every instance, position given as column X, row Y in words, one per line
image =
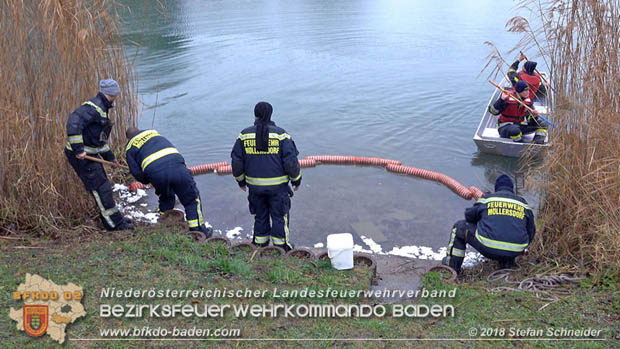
column 105, row 162
column 516, row 99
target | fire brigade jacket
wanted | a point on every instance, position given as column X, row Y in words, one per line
column 89, row 126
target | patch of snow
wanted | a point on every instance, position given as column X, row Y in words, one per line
column 318, row 245
column 234, row 233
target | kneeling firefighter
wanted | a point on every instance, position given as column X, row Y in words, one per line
column 264, row 158
column 153, row 159
column 500, row 226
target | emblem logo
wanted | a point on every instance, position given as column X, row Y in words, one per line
column 35, row 319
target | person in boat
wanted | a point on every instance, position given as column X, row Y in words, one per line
column 153, row 159
column 529, row 75
column 500, row 226
column 88, row 130
column 514, row 119
column 264, row 158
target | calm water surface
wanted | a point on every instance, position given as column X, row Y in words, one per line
column 393, row 79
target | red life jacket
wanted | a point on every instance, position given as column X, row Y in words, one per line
column 532, row 80
column 514, row 112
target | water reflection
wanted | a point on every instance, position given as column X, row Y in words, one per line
column 393, row 79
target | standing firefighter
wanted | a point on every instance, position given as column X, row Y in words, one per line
column 153, row 159
column 88, row 129
column 264, row 158
column 499, row 225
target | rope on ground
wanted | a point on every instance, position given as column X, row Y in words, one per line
column 546, row 288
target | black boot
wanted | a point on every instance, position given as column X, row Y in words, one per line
column 539, row 139
column 507, row 264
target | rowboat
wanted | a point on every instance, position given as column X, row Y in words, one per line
column 487, row 137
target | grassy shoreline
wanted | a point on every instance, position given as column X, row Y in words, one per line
column 160, row 259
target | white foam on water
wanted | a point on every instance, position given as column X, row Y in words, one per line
column 234, row 233
column 319, row 245
column 358, row 248
column 374, row 247
column 127, row 198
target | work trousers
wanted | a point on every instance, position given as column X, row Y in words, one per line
column 96, row 182
column 464, row 233
column 516, row 131
column 176, row 179
column 272, row 203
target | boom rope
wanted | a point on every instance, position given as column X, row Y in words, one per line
column 224, row 168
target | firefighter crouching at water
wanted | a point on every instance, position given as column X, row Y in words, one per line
column 500, row 226
column 153, row 159
column 88, row 129
column 512, row 115
column 264, row 158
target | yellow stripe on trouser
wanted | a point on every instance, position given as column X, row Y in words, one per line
column 195, row 223
column 450, row 244
column 278, row 241
column 500, row 245
column 105, row 213
column 158, row 155
column 261, row 239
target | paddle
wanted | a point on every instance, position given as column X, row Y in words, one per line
column 516, row 99
column 532, row 111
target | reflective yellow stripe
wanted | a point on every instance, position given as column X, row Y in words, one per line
column 76, row 139
column 143, row 137
column 240, row 177
column 99, row 110
column 261, row 239
column 286, row 229
column 199, row 209
column 277, row 241
column 103, row 209
column 541, row 130
column 192, row 223
column 93, row 150
column 495, row 198
column 457, row 252
column 500, row 245
column 279, row 136
column 296, row 178
column 158, row 155
column 517, row 137
column 266, row 181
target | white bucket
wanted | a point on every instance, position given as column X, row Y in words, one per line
column 340, row 250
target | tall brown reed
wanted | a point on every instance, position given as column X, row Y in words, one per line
column 581, row 187
column 54, row 52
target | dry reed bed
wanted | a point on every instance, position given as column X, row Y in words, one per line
column 581, row 173
column 53, row 55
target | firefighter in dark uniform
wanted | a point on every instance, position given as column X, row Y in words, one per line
column 153, row 159
column 529, row 75
column 514, row 119
column 500, row 226
column 264, row 158
column 88, row 129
